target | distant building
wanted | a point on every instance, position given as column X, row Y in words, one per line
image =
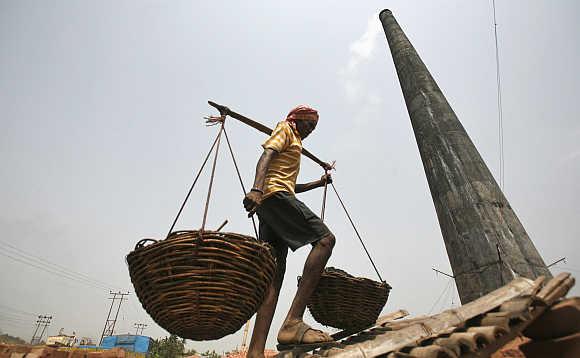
column 62, row 340
column 128, row 342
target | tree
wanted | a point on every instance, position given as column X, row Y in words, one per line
column 168, row 347
column 8, row 339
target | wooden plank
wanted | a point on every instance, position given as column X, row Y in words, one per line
column 262, row 128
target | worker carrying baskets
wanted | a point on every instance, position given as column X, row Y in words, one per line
column 203, row 284
column 285, row 222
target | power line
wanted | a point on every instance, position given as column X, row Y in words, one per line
column 13, row 316
column 54, row 272
column 55, row 266
column 12, row 319
column 57, row 271
column 14, row 324
column 19, row 311
column 440, row 296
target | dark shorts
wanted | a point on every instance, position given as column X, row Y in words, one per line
column 285, row 220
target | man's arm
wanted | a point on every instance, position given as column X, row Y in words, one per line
column 262, row 168
column 300, row 188
column 254, row 197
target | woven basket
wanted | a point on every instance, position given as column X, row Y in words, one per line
column 201, row 289
column 347, row 302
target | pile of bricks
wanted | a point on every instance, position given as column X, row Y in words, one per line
column 25, row 351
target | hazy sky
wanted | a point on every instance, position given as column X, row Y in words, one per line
column 101, row 131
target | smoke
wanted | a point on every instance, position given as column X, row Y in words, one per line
column 360, row 52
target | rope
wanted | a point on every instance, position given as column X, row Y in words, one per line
column 217, row 149
column 239, row 177
column 356, row 231
column 324, row 199
column 192, row 185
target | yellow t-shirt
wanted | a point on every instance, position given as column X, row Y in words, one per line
column 284, row 167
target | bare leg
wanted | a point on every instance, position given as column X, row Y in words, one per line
column 311, row 273
column 267, row 309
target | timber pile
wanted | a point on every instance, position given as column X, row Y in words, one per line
column 476, row 329
column 202, row 287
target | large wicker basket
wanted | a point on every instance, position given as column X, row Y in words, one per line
column 347, row 302
column 201, row 289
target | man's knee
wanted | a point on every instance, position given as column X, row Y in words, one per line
column 328, row 241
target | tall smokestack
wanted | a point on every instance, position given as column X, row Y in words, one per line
column 486, row 243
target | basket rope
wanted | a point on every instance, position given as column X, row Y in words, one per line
column 212, row 120
column 351, row 222
column 212, row 176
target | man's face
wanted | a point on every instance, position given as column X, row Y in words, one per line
column 305, row 127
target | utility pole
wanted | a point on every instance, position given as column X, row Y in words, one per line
column 139, row 326
column 486, row 243
column 244, row 347
column 110, row 323
column 44, row 322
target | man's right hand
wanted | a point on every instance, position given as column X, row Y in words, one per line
column 252, row 200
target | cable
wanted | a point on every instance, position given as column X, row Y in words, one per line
column 440, row 296
column 56, row 267
column 499, row 105
column 20, row 311
column 10, row 319
column 59, row 274
column 14, row 316
column 35, row 263
column 14, row 324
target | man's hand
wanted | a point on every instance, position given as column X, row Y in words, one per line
column 325, row 179
column 252, row 200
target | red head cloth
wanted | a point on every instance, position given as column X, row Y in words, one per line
column 302, row 112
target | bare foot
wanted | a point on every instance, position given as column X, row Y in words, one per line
column 298, row 332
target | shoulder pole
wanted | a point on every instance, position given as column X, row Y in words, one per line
column 225, row 111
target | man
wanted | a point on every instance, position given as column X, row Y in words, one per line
column 285, row 222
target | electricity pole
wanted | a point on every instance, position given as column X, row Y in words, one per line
column 139, row 326
column 44, row 322
column 110, row 323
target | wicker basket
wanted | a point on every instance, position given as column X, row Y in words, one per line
column 347, row 302
column 201, row 289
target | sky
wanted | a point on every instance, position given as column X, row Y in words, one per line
column 102, row 131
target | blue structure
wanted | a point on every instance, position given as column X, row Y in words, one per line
column 128, row 342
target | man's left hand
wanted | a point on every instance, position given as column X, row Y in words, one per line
column 326, row 179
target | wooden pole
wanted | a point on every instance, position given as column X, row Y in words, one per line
column 225, row 111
